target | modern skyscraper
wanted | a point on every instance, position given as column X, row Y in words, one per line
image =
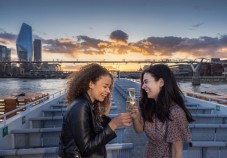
column 5, row 53
column 37, row 50
column 8, row 54
column 2, row 52
column 24, row 43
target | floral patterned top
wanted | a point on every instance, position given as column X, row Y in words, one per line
column 162, row 135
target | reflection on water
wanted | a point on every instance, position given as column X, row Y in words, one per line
column 10, row 86
column 15, row 85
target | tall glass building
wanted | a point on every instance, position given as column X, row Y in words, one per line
column 5, row 53
column 2, row 52
column 37, row 50
column 24, row 43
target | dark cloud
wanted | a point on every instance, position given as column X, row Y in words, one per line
column 90, row 45
column 8, row 36
column 87, row 42
column 197, row 25
column 200, row 43
column 165, row 42
column 195, row 46
column 60, row 45
column 166, row 46
column 119, row 35
column 157, row 46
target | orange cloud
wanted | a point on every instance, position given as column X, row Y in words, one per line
column 118, row 47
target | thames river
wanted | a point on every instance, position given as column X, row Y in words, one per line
column 16, row 85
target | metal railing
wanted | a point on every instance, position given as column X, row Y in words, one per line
column 30, row 105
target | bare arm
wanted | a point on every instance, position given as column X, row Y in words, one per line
column 137, row 122
column 137, row 125
column 123, row 119
column 177, row 149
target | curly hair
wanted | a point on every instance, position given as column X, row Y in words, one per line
column 78, row 83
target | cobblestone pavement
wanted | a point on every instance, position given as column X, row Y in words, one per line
column 130, row 136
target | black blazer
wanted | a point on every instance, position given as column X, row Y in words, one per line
column 81, row 124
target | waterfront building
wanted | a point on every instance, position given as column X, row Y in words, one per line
column 182, row 70
column 215, row 60
column 37, row 50
column 2, row 52
column 8, row 54
column 211, row 69
column 5, row 53
column 24, row 43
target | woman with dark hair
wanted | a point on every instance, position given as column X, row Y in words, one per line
column 162, row 114
column 86, row 126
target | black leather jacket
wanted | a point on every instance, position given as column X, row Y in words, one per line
column 81, row 124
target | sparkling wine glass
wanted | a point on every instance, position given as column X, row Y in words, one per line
column 131, row 99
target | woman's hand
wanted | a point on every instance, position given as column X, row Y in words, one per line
column 107, row 108
column 123, row 119
column 106, row 105
column 135, row 114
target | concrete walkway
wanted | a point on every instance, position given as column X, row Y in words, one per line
column 130, row 136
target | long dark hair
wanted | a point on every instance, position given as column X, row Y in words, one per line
column 169, row 95
column 78, row 83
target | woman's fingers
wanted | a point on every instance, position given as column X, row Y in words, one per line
column 124, row 119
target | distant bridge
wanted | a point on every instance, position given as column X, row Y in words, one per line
column 117, row 62
column 195, row 64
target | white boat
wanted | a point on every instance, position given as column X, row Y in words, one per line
column 209, row 96
column 34, row 132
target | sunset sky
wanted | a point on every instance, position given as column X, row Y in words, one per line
column 119, row 29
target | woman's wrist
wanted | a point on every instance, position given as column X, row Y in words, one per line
column 135, row 119
column 113, row 125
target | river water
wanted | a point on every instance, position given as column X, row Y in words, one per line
column 16, row 85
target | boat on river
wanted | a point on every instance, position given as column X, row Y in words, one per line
column 34, row 132
column 17, row 100
column 209, row 96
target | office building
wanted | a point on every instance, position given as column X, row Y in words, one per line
column 24, row 43
column 5, row 53
column 37, row 50
column 2, row 52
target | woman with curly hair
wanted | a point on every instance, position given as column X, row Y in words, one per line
column 86, row 126
column 162, row 114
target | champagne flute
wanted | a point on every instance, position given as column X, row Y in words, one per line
column 131, row 99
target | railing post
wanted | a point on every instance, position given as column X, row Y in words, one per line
column 4, row 120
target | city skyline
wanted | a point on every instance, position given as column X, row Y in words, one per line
column 117, row 30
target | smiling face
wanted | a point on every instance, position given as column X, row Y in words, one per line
column 100, row 89
column 151, row 86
